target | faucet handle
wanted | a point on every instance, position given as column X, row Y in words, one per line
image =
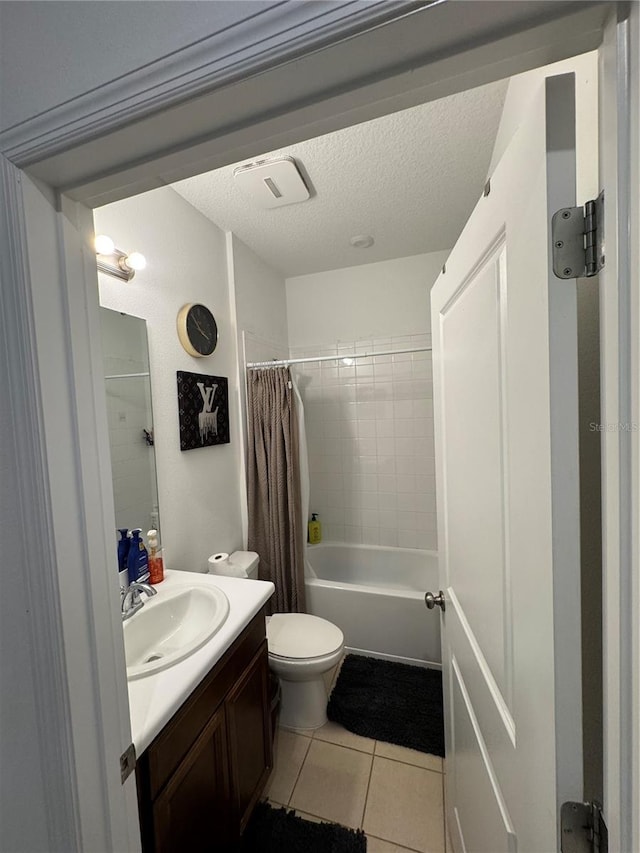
column 142, row 586
column 131, row 601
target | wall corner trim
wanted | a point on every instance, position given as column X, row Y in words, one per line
column 42, row 594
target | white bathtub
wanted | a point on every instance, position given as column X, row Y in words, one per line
column 376, row 596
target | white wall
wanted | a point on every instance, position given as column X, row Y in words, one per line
column 199, row 490
column 261, row 303
column 75, row 47
column 259, row 308
column 369, row 424
column 369, row 301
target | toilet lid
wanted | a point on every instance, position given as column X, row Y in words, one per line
column 299, row 635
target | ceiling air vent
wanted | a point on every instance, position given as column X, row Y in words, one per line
column 272, row 183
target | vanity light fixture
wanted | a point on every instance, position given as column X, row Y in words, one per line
column 116, row 262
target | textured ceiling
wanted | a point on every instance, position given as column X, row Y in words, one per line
column 409, row 179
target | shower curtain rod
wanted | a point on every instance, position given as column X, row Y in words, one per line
column 285, row 362
column 127, row 375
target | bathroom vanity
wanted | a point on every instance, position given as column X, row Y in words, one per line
column 202, row 767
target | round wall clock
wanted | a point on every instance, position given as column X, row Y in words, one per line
column 197, row 329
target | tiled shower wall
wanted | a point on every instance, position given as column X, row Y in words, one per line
column 370, row 437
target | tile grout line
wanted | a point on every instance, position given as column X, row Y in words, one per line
column 366, row 796
column 299, row 772
column 335, row 743
column 408, row 763
column 323, row 819
column 366, row 752
column 338, row 746
column 442, row 782
column 372, row 755
column 386, row 757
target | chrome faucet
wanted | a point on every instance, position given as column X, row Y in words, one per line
column 131, row 601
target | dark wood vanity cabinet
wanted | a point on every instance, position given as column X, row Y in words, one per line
column 194, row 806
column 201, row 777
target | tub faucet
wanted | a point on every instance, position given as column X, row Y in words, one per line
column 131, row 601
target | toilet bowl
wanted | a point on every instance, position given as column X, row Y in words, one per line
column 302, row 648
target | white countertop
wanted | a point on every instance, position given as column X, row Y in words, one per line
column 154, row 699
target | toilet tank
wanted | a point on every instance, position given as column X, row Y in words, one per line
column 247, row 560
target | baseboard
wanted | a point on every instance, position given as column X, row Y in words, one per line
column 397, row 658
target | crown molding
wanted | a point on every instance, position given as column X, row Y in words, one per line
column 269, row 38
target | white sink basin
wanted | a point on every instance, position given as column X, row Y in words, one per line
column 170, row 627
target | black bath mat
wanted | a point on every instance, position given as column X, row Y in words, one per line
column 278, row 831
column 390, row 701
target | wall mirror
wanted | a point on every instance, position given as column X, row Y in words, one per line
column 128, row 389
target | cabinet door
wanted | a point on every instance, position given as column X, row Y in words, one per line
column 250, row 743
column 194, row 811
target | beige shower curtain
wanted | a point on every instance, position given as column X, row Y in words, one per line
column 273, row 473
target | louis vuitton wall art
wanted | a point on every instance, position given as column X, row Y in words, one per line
column 203, row 410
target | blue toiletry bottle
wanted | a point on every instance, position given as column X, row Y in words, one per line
column 138, row 559
column 123, row 548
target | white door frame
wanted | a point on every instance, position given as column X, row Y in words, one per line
column 47, row 309
column 620, row 334
column 634, row 323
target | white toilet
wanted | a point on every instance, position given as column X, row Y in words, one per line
column 302, row 648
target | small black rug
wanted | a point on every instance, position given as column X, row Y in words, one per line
column 278, row 831
column 390, row 701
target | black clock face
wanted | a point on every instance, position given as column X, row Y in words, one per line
column 202, row 329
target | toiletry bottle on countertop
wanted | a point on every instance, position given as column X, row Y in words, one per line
column 315, row 529
column 138, row 559
column 156, row 564
column 123, row 549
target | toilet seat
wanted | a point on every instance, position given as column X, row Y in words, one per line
column 300, row 636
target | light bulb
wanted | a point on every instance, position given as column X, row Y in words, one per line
column 136, row 261
column 104, row 245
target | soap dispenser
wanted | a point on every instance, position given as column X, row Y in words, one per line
column 138, row 559
column 315, row 529
column 123, row 548
column 156, row 563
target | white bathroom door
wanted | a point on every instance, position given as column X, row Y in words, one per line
column 506, row 409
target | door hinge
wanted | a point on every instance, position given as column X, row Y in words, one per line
column 127, row 763
column 582, row 828
column 577, row 237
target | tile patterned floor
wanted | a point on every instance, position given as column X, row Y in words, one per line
column 395, row 795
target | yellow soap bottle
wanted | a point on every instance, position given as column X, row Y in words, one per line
column 315, row 529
